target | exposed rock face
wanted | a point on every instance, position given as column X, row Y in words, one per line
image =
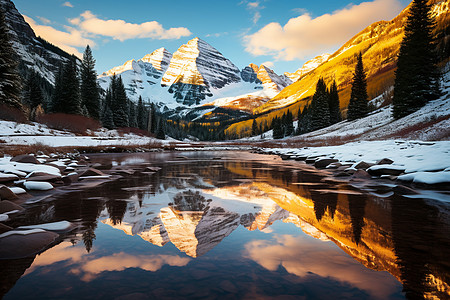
column 195, row 68
column 34, row 53
column 271, row 80
column 265, row 76
column 250, row 74
column 308, row 67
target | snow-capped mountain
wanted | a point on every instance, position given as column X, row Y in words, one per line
column 142, row 77
column 195, row 79
column 379, row 44
column 308, row 67
column 265, row 76
column 195, row 69
column 34, row 53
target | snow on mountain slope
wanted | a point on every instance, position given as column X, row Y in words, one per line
column 379, row 44
column 196, row 74
column 308, row 67
column 267, row 83
column 160, row 59
column 35, row 53
column 142, row 77
column 380, row 123
column 271, row 80
column 195, row 68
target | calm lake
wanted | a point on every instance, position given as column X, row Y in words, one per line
column 234, row 225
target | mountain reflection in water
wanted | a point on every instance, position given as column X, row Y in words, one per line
column 214, row 224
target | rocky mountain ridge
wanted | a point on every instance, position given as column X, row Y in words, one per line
column 195, row 74
column 33, row 52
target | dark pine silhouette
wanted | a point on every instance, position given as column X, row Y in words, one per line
column 90, row 97
column 416, row 80
column 357, row 108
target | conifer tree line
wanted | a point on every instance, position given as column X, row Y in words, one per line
column 283, row 126
column 323, row 110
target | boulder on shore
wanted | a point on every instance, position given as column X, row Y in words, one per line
column 25, row 158
column 6, row 193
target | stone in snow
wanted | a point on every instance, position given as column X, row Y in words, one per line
column 6, row 193
column 17, row 190
column 25, row 158
column 427, row 177
column 8, row 177
column 38, row 186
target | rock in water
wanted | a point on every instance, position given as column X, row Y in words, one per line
column 19, row 244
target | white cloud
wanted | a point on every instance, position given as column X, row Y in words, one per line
column 122, row 30
column 255, row 8
column 256, row 17
column 253, row 4
column 67, row 4
column 217, row 34
column 268, row 64
column 65, row 40
column 44, row 20
column 305, row 36
column 300, row 10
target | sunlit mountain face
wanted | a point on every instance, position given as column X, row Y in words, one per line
column 237, row 225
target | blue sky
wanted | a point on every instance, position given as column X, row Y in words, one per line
column 283, row 34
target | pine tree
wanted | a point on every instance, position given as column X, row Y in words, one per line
column 119, row 102
column 417, row 75
column 70, row 92
column 333, row 103
column 357, row 108
column 107, row 118
column 140, row 114
column 152, row 125
column 33, row 96
column 132, row 115
column 254, row 128
column 320, row 112
column 277, row 128
column 304, row 121
column 160, row 133
column 55, row 102
column 10, row 82
column 89, row 91
column 289, row 125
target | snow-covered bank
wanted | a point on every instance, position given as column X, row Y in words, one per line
column 12, row 133
column 414, row 161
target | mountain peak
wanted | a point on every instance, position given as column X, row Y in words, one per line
column 160, row 59
column 308, row 67
column 195, row 68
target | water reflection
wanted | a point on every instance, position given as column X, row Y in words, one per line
column 190, row 208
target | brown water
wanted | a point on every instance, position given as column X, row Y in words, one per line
column 234, row 225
